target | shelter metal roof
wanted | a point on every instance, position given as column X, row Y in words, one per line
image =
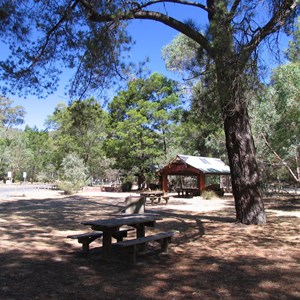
column 207, row 165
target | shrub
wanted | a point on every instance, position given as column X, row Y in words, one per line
column 67, row 187
column 208, row 195
column 126, row 186
column 74, row 174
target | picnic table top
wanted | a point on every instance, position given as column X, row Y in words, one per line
column 187, row 189
column 149, row 193
column 118, row 221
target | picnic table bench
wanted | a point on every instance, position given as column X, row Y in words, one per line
column 110, row 226
column 86, row 238
column 134, row 205
column 163, row 238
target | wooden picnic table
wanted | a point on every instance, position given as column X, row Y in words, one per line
column 112, row 225
column 153, row 195
column 187, row 191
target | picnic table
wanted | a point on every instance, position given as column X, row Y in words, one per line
column 153, row 195
column 112, row 225
column 187, row 191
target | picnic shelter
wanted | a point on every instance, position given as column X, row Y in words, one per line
column 187, row 165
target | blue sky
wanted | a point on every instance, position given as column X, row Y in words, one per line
column 150, row 38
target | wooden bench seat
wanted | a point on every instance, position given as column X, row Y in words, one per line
column 163, row 238
column 86, row 238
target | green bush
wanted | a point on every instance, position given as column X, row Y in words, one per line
column 67, row 187
column 126, row 186
column 74, row 174
column 208, row 195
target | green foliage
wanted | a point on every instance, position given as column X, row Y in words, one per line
column 126, row 186
column 37, row 60
column 40, row 145
column 293, row 53
column 204, row 123
column 16, row 156
column 207, row 195
column 286, row 82
column 45, row 175
column 74, row 174
column 80, row 128
column 10, row 115
column 183, row 55
column 276, row 119
column 13, row 23
column 4, row 154
column 201, row 131
column 141, row 120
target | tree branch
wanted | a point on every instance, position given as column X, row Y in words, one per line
column 49, row 34
column 151, row 15
column 279, row 158
column 276, row 22
column 184, row 2
column 234, row 8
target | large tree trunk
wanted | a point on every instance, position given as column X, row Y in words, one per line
column 244, row 170
column 240, row 144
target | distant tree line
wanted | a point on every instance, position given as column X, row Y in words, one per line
column 144, row 126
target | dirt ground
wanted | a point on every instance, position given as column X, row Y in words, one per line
column 212, row 257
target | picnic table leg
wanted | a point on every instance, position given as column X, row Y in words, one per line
column 134, row 254
column 152, row 198
column 165, row 244
column 85, row 247
column 140, row 230
column 106, row 244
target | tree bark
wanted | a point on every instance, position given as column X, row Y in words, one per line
column 232, row 89
column 298, row 162
column 244, row 170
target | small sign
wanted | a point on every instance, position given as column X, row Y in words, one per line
column 24, row 174
column 9, row 174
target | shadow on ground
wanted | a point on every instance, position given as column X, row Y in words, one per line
column 211, row 258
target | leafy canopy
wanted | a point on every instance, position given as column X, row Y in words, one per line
column 10, row 115
column 141, row 118
column 80, row 128
column 47, row 38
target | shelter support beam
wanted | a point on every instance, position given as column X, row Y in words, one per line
column 165, row 183
column 201, row 182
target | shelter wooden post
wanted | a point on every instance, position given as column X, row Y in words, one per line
column 201, row 182
column 165, row 182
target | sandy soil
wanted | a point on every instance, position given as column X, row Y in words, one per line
column 211, row 258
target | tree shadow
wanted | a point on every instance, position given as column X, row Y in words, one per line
column 286, row 204
column 212, row 257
